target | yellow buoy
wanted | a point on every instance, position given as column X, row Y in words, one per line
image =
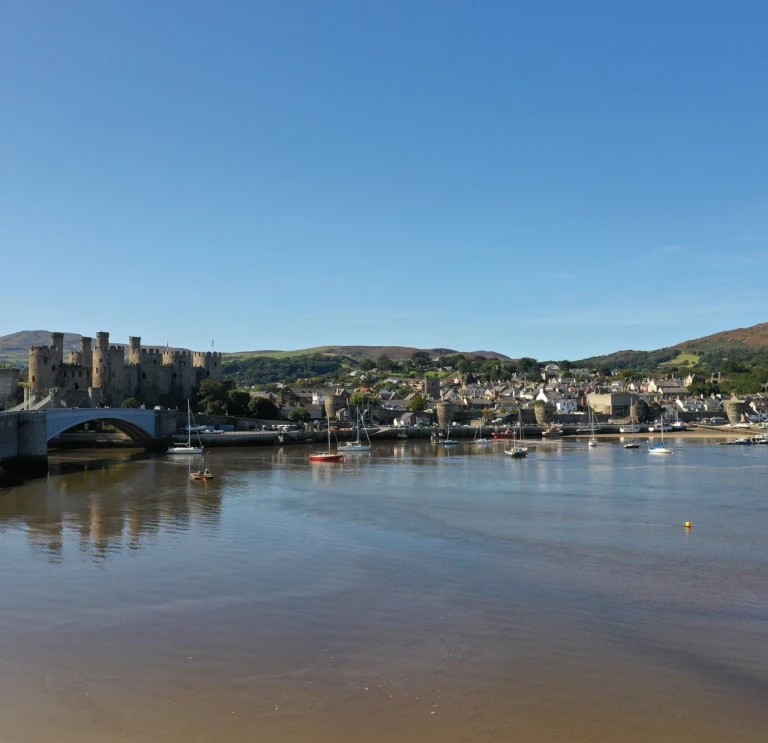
column 687, row 524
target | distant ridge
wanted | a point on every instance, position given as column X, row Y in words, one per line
column 748, row 345
column 358, row 353
column 15, row 347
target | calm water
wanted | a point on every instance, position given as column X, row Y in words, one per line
column 414, row 594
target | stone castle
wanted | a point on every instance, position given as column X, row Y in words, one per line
column 101, row 374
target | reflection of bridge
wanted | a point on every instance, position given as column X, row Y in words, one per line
column 24, row 435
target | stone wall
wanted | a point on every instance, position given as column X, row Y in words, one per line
column 9, row 385
column 148, row 374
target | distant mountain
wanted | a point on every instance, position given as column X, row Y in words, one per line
column 358, row 353
column 742, row 345
column 14, row 348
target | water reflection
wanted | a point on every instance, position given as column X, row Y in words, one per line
column 106, row 509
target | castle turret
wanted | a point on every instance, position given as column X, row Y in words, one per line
column 86, row 351
column 208, row 364
column 134, row 349
column 100, row 374
column 57, row 349
column 41, row 373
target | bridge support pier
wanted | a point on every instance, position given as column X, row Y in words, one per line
column 24, row 444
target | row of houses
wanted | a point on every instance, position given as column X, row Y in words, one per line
column 391, row 403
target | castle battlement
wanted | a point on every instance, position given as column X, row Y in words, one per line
column 153, row 375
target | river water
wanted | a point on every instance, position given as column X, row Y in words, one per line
column 414, row 594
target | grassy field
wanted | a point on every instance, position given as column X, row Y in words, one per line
column 682, row 359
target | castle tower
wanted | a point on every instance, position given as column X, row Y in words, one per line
column 41, row 376
column 134, row 349
column 57, row 349
column 85, row 351
column 100, row 374
column 207, row 365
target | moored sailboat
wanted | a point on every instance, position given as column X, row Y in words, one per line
column 188, row 448
column 326, row 456
column 518, row 451
column 660, row 448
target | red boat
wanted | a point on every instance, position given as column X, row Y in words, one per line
column 325, row 457
column 507, row 433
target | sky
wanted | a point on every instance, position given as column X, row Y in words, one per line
column 548, row 179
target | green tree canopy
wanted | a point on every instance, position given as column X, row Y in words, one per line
column 130, row 402
column 384, row 363
column 367, row 365
column 363, row 398
column 421, row 360
column 237, row 403
column 261, row 407
column 299, row 415
column 212, row 397
column 417, row 403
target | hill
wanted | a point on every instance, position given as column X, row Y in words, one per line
column 748, row 346
column 358, row 353
column 14, row 348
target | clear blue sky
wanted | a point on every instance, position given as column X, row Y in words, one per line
column 550, row 179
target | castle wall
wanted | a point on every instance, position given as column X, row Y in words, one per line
column 102, row 374
column 9, row 385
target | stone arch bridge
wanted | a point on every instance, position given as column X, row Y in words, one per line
column 24, row 435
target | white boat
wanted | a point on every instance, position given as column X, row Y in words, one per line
column 448, row 441
column 631, row 428
column 677, row 424
column 592, row 438
column 517, row 451
column 660, row 448
column 479, row 438
column 188, row 448
column 357, row 445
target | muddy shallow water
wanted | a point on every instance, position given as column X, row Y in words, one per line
column 413, row 594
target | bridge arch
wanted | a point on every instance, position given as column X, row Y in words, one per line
column 140, row 425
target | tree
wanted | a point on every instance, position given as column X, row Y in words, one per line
column 421, row 360
column 363, row 398
column 529, row 366
column 367, row 365
column 130, row 402
column 237, row 403
column 384, row 363
column 212, row 397
column 464, row 366
column 299, row 415
column 417, row 403
column 261, row 407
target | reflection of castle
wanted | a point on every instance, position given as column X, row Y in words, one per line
column 100, row 375
column 108, row 510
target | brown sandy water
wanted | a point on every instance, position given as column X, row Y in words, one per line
column 414, row 594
